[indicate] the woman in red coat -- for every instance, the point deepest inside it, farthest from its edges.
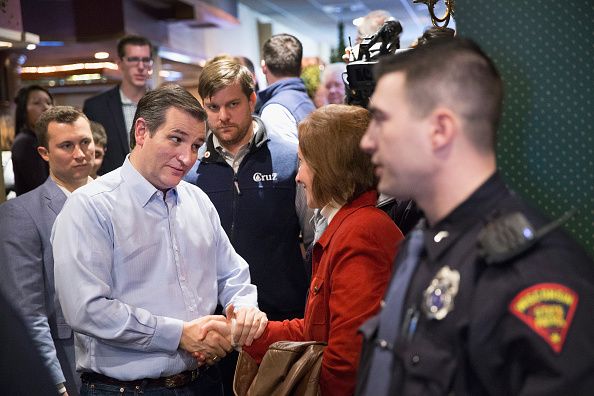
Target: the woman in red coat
(352, 261)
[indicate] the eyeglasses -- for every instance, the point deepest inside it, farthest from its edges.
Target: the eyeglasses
(136, 60)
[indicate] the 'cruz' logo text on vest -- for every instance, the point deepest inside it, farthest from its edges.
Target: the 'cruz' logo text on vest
(258, 177)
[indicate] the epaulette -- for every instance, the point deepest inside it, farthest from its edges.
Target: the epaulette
(510, 235)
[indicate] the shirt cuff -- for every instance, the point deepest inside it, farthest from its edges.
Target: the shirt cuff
(167, 334)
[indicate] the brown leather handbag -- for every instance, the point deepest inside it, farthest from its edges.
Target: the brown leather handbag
(288, 368)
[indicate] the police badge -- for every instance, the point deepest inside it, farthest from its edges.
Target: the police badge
(438, 298)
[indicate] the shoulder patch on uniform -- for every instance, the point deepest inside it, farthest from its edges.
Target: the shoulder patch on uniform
(548, 309)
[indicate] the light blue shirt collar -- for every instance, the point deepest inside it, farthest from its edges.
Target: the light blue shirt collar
(142, 190)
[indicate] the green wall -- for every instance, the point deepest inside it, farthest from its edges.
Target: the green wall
(545, 53)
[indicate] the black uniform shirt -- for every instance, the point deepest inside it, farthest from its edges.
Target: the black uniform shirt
(524, 326)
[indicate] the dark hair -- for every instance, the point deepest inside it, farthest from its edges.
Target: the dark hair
(435, 33)
(329, 142)
(282, 55)
(132, 40)
(99, 134)
(154, 105)
(222, 73)
(453, 72)
(245, 61)
(59, 114)
(21, 99)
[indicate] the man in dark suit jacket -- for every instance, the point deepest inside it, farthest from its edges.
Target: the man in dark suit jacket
(114, 109)
(26, 259)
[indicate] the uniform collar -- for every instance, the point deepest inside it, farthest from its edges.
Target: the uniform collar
(476, 208)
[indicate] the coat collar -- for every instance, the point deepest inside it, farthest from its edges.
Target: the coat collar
(211, 154)
(475, 209)
(115, 108)
(368, 198)
(290, 83)
(54, 196)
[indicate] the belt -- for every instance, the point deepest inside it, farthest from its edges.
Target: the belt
(173, 381)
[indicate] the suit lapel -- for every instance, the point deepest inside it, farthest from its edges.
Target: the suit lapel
(115, 108)
(54, 197)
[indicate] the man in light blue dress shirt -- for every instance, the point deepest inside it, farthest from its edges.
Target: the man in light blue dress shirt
(141, 261)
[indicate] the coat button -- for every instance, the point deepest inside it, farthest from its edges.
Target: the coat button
(415, 359)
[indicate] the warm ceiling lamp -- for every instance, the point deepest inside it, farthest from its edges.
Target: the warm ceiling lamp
(101, 55)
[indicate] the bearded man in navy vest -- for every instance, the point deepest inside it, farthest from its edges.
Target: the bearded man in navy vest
(249, 174)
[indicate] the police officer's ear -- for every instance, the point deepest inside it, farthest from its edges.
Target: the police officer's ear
(445, 127)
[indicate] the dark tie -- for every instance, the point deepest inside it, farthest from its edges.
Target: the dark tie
(380, 373)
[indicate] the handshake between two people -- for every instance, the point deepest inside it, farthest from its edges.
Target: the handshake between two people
(211, 337)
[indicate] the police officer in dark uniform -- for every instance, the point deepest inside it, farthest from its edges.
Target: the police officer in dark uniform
(488, 297)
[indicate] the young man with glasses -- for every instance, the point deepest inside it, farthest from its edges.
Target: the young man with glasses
(115, 109)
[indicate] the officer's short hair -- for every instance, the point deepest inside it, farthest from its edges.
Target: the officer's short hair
(153, 107)
(282, 54)
(59, 114)
(222, 73)
(329, 141)
(456, 73)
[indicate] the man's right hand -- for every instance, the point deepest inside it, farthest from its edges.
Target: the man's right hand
(208, 335)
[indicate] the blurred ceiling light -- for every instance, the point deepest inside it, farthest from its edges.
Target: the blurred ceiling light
(101, 55)
(85, 77)
(31, 47)
(51, 43)
(71, 67)
(179, 57)
(5, 44)
(170, 75)
(175, 56)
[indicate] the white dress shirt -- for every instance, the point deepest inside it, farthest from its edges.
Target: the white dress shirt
(132, 264)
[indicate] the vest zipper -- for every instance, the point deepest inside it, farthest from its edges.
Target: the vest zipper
(236, 182)
(234, 209)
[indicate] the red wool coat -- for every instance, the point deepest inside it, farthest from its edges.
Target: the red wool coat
(352, 264)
